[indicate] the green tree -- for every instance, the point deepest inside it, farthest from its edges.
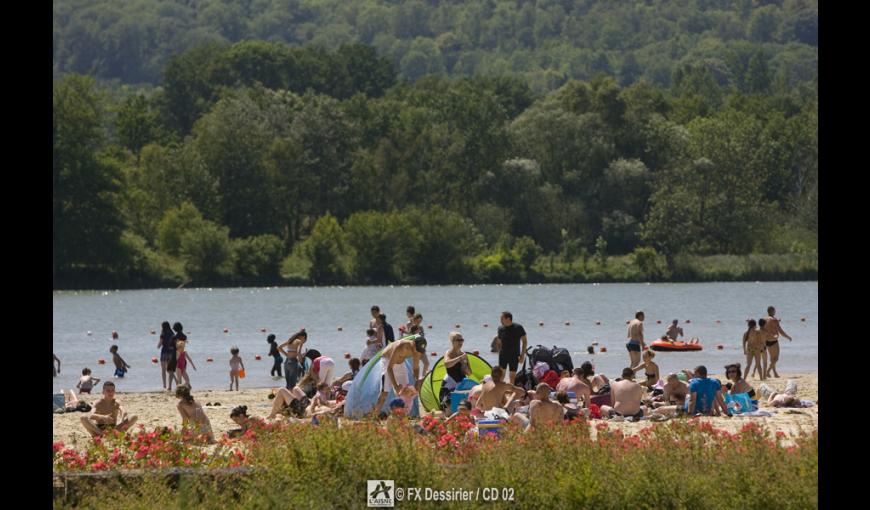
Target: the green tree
(176, 223)
(326, 249)
(207, 252)
(87, 220)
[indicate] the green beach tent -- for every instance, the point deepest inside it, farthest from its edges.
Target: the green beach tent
(431, 387)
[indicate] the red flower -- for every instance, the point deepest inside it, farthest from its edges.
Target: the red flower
(780, 434)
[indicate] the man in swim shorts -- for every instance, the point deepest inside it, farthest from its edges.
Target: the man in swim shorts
(772, 330)
(627, 396)
(510, 336)
(395, 373)
(106, 413)
(635, 339)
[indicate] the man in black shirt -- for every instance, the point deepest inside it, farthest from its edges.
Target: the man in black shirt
(510, 335)
(389, 334)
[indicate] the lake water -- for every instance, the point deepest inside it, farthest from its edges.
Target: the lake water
(205, 314)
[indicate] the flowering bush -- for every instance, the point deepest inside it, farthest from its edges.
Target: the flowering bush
(680, 464)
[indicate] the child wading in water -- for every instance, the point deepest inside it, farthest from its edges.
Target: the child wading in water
(183, 359)
(86, 382)
(235, 363)
(121, 366)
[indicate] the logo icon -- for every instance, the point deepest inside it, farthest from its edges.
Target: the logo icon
(380, 493)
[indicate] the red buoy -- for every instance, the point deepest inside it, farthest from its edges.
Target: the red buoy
(101, 361)
(114, 335)
(597, 323)
(688, 321)
(457, 326)
(540, 324)
(604, 349)
(153, 332)
(567, 323)
(340, 328)
(429, 326)
(434, 353)
(476, 353)
(720, 347)
(226, 330)
(209, 359)
(485, 325)
(803, 319)
(262, 330)
(153, 360)
(628, 322)
(658, 322)
(257, 357)
(718, 322)
(347, 355)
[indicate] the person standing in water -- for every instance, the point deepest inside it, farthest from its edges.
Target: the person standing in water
(167, 352)
(753, 347)
(772, 330)
(276, 356)
(635, 338)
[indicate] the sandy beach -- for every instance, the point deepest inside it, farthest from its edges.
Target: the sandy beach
(158, 409)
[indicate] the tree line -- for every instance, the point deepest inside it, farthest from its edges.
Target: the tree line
(257, 159)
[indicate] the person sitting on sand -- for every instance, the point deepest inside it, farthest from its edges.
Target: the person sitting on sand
(86, 382)
(392, 366)
(496, 392)
(626, 395)
(192, 414)
(675, 391)
(652, 370)
(576, 385)
(599, 384)
(456, 363)
(673, 331)
(753, 348)
(738, 384)
(704, 394)
(354, 365)
(106, 413)
(542, 410)
(571, 410)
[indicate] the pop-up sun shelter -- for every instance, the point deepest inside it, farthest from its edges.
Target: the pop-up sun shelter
(431, 388)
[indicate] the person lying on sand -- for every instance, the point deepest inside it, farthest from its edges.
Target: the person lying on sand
(240, 416)
(107, 410)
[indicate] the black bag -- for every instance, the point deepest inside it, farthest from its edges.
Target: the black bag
(561, 360)
(526, 378)
(540, 354)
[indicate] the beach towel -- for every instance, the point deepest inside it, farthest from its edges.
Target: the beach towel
(756, 414)
(739, 403)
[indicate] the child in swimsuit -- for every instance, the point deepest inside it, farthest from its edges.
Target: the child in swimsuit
(86, 382)
(121, 366)
(181, 363)
(235, 364)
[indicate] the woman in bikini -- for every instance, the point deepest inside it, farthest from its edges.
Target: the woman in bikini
(652, 370)
(738, 384)
(753, 347)
(293, 357)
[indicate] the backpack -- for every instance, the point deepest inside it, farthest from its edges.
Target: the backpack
(561, 359)
(539, 353)
(526, 378)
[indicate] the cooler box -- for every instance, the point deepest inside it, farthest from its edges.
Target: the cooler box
(572, 397)
(489, 427)
(456, 398)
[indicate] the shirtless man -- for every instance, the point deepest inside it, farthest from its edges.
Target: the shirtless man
(575, 383)
(626, 395)
(494, 392)
(772, 330)
(674, 331)
(542, 410)
(675, 391)
(106, 412)
(395, 374)
(635, 339)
